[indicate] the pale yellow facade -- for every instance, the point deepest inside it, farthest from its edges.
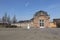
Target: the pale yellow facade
(52, 25)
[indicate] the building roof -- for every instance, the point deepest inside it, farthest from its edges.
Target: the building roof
(24, 21)
(57, 19)
(32, 19)
(41, 13)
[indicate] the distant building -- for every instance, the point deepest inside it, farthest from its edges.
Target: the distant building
(40, 20)
(57, 21)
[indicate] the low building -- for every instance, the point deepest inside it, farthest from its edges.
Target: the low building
(40, 19)
(57, 21)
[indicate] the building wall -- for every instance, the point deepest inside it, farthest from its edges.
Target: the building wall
(23, 25)
(52, 25)
(36, 21)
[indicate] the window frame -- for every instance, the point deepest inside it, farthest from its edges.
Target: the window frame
(41, 23)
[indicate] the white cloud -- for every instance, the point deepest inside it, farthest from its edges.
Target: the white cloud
(26, 4)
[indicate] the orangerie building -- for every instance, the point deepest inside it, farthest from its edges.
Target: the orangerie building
(40, 19)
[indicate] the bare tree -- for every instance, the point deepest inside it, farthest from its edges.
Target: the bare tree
(0, 19)
(14, 19)
(8, 20)
(4, 18)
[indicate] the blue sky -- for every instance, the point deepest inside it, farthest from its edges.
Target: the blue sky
(25, 9)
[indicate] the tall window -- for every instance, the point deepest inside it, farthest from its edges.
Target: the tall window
(41, 23)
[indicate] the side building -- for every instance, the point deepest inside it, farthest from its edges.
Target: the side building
(57, 21)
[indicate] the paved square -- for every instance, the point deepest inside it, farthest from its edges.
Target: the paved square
(31, 34)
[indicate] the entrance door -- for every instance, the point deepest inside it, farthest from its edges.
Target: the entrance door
(41, 23)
